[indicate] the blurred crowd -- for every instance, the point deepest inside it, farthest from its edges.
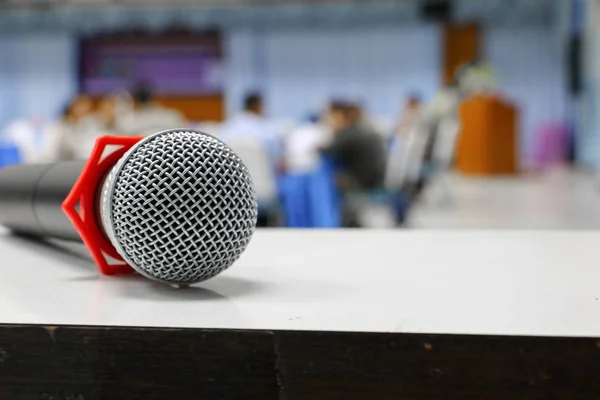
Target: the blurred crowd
(84, 119)
(342, 130)
(367, 158)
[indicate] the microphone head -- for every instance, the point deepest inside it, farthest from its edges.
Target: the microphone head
(179, 207)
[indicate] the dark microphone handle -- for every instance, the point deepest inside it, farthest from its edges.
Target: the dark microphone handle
(31, 197)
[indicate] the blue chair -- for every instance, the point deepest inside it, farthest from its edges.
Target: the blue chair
(323, 196)
(310, 200)
(400, 205)
(9, 155)
(293, 198)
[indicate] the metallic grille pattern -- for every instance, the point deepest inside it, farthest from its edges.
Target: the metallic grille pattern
(182, 205)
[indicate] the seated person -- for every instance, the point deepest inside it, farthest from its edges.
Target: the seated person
(303, 145)
(360, 155)
(251, 122)
(74, 135)
(251, 126)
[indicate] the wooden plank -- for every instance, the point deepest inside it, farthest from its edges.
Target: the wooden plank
(197, 108)
(61, 363)
(82, 363)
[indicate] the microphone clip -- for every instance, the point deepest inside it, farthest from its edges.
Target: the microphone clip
(80, 206)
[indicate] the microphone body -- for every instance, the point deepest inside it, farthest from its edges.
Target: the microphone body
(31, 197)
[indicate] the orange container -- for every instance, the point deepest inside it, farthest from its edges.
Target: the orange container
(488, 141)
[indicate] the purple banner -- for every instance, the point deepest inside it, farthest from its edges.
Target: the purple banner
(170, 68)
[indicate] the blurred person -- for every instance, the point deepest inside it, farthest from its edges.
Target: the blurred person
(360, 116)
(76, 132)
(251, 122)
(407, 121)
(148, 116)
(124, 102)
(409, 116)
(302, 146)
(106, 115)
(355, 113)
(124, 110)
(360, 155)
(80, 108)
(47, 141)
(431, 141)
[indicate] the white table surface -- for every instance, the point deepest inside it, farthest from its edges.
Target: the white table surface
(508, 283)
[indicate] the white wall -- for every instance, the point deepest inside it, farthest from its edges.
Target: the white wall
(379, 67)
(38, 74)
(7, 82)
(590, 101)
(243, 53)
(299, 70)
(530, 70)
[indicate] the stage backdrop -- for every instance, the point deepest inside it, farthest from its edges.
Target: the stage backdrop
(184, 70)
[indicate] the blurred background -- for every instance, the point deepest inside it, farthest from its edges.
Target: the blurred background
(384, 114)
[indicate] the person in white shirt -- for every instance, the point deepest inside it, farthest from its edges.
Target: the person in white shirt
(303, 145)
(252, 123)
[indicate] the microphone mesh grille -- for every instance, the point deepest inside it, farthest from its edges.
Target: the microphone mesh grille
(183, 207)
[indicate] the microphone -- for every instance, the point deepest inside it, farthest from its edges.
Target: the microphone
(178, 207)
